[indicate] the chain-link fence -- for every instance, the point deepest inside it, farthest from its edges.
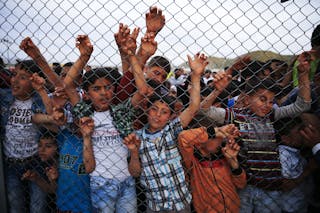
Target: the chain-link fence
(98, 115)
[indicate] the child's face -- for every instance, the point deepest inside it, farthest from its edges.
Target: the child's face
(20, 84)
(213, 145)
(261, 102)
(156, 73)
(100, 93)
(47, 149)
(158, 116)
(294, 139)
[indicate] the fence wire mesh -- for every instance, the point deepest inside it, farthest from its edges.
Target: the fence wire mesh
(160, 106)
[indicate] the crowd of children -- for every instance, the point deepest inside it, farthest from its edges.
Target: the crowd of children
(245, 139)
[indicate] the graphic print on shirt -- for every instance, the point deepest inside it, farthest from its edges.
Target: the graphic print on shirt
(21, 134)
(109, 151)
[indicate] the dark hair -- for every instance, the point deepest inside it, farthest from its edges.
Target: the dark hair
(315, 38)
(222, 98)
(255, 83)
(285, 125)
(68, 64)
(207, 71)
(169, 100)
(29, 66)
(47, 134)
(182, 90)
(90, 77)
(159, 61)
(254, 68)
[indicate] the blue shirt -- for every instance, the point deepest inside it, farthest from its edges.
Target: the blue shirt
(73, 192)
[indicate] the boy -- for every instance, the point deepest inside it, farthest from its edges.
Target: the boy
(261, 159)
(112, 186)
(20, 137)
(297, 186)
(75, 161)
(160, 167)
(214, 171)
(48, 154)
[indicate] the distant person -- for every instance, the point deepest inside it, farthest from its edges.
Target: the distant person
(5, 75)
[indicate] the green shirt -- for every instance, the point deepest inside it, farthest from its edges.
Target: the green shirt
(313, 68)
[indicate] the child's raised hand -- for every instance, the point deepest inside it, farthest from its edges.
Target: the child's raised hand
(30, 48)
(148, 44)
(132, 141)
(52, 173)
(58, 116)
(230, 131)
(84, 45)
(30, 175)
(60, 92)
(86, 126)
(37, 82)
(154, 20)
(311, 135)
(231, 150)
(198, 64)
(221, 80)
(304, 60)
(239, 64)
(121, 36)
(130, 45)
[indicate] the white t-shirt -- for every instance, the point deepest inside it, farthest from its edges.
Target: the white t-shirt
(109, 151)
(21, 134)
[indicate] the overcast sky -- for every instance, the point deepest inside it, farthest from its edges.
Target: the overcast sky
(222, 28)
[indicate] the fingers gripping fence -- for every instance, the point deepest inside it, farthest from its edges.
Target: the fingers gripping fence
(160, 106)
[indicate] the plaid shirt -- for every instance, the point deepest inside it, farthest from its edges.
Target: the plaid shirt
(162, 171)
(122, 115)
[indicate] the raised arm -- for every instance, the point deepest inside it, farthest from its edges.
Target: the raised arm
(303, 101)
(130, 49)
(133, 144)
(304, 60)
(239, 64)
(120, 38)
(33, 52)
(197, 65)
(85, 47)
(38, 84)
(222, 80)
(86, 128)
(155, 21)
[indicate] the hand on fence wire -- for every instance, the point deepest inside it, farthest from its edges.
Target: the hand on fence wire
(132, 142)
(60, 92)
(148, 45)
(37, 82)
(130, 44)
(84, 45)
(239, 64)
(30, 175)
(221, 80)
(304, 60)
(198, 64)
(86, 126)
(155, 20)
(227, 131)
(30, 48)
(58, 116)
(311, 135)
(52, 173)
(121, 36)
(231, 151)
